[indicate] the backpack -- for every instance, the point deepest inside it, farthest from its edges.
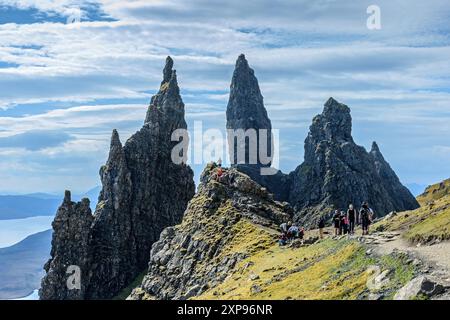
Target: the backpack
(322, 223)
(365, 214)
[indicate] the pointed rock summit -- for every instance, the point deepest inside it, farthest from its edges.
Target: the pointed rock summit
(72, 222)
(167, 71)
(337, 172)
(143, 192)
(198, 254)
(246, 111)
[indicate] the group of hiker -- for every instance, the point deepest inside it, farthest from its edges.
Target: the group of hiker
(289, 232)
(344, 222)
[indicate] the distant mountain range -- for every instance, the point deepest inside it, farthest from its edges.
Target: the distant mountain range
(21, 265)
(37, 204)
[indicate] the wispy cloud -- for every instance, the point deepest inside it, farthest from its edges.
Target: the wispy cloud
(86, 78)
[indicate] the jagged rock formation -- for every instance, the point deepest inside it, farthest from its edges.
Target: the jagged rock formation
(70, 246)
(143, 192)
(337, 172)
(199, 253)
(226, 248)
(246, 111)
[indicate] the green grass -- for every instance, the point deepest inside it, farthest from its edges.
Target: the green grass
(435, 226)
(427, 223)
(435, 192)
(329, 269)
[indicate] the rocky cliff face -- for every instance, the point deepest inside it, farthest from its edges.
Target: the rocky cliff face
(226, 248)
(70, 246)
(213, 237)
(246, 111)
(143, 192)
(337, 172)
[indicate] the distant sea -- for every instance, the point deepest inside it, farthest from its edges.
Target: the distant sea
(33, 296)
(13, 231)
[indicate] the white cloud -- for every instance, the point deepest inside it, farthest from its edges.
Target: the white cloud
(302, 52)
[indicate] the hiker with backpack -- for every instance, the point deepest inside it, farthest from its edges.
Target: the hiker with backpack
(219, 174)
(293, 232)
(284, 227)
(351, 217)
(301, 233)
(336, 222)
(321, 226)
(365, 218)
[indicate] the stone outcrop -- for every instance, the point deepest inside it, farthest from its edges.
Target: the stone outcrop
(199, 253)
(70, 246)
(419, 287)
(143, 192)
(337, 172)
(246, 111)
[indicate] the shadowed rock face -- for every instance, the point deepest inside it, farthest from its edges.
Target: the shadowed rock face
(70, 246)
(143, 192)
(245, 111)
(196, 255)
(337, 172)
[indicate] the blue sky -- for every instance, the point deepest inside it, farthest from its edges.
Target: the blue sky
(65, 86)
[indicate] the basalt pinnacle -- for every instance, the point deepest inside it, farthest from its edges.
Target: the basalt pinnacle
(337, 172)
(143, 192)
(197, 254)
(246, 111)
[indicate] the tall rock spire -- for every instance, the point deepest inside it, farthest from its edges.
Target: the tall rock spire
(143, 192)
(70, 247)
(245, 111)
(167, 71)
(337, 172)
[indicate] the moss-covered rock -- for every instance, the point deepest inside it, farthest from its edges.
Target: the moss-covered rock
(229, 219)
(226, 248)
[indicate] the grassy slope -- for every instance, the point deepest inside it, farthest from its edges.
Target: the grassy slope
(329, 269)
(429, 222)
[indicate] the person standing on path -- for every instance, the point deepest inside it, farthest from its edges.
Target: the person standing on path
(351, 216)
(321, 226)
(336, 222)
(365, 218)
